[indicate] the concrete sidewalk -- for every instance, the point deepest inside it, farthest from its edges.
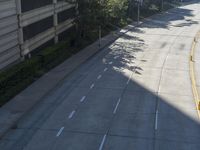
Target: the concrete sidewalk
(15, 109)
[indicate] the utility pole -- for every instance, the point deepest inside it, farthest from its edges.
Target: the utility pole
(139, 3)
(162, 4)
(99, 36)
(100, 2)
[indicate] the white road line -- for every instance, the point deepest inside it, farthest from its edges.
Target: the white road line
(71, 114)
(156, 121)
(92, 86)
(116, 57)
(115, 110)
(83, 98)
(105, 69)
(128, 80)
(110, 63)
(99, 77)
(102, 142)
(60, 131)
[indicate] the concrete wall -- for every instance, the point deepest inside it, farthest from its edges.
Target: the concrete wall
(9, 46)
(46, 17)
(26, 25)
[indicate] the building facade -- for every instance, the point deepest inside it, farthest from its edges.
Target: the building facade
(9, 39)
(26, 25)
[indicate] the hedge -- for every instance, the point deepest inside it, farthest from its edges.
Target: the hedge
(18, 77)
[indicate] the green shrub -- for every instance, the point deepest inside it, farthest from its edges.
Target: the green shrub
(18, 77)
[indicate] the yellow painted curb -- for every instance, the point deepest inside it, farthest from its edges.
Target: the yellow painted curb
(192, 74)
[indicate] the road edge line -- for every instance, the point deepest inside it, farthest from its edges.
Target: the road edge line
(192, 73)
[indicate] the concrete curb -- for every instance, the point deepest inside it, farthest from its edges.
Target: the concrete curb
(196, 66)
(21, 104)
(193, 73)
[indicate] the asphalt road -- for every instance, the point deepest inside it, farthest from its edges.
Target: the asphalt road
(134, 95)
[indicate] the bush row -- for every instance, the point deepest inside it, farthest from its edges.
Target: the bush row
(18, 77)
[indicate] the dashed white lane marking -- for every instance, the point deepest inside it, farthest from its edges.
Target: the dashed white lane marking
(60, 131)
(99, 77)
(92, 86)
(115, 110)
(156, 121)
(116, 57)
(128, 80)
(71, 114)
(105, 69)
(102, 142)
(110, 63)
(83, 98)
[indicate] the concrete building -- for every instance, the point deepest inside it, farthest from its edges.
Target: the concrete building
(26, 25)
(9, 39)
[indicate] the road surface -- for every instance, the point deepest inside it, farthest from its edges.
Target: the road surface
(134, 95)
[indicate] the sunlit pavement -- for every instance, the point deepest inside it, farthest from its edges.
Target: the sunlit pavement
(134, 95)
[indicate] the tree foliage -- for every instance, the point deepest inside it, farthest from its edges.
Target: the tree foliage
(94, 13)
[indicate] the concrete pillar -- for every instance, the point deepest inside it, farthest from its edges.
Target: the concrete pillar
(20, 30)
(55, 18)
(18, 4)
(76, 7)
